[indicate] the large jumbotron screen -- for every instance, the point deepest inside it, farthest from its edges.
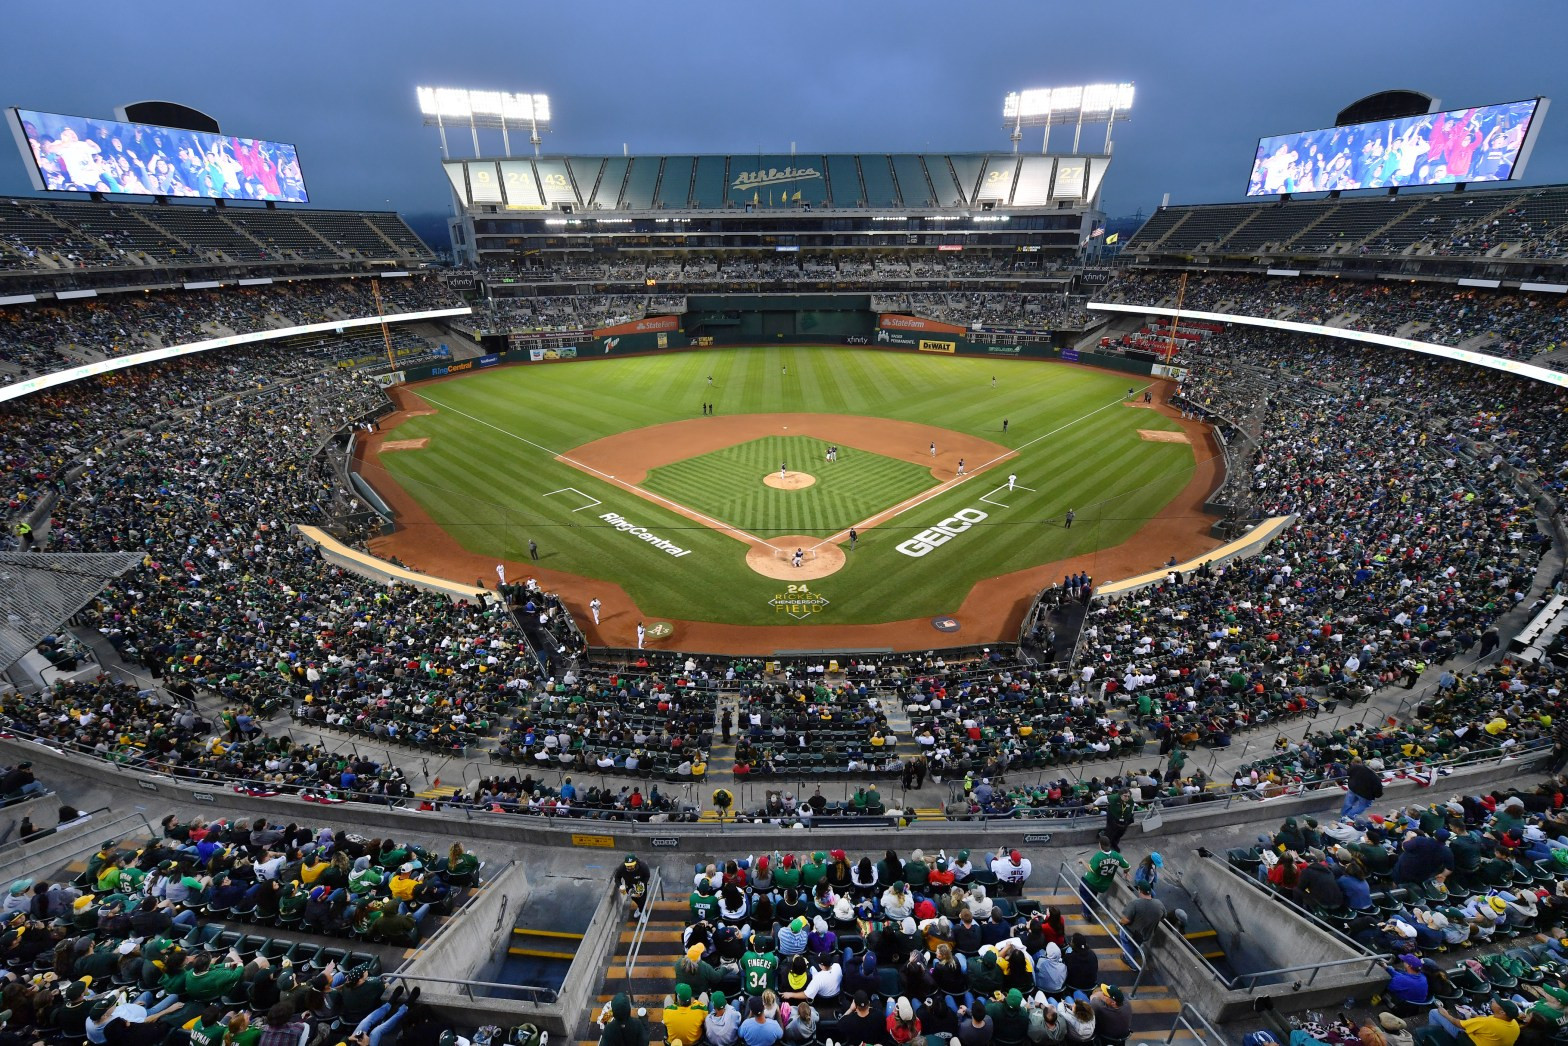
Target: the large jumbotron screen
(79, 154)
(1488, 143)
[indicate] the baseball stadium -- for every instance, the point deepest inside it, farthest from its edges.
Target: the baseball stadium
(821, 598)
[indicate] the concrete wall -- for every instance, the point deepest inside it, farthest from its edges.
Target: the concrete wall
(1268, 934)
(704, 841)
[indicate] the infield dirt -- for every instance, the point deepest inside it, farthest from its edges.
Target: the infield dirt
(990, 612)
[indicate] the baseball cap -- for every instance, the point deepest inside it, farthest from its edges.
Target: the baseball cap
(754, 1005)
(1156, 859)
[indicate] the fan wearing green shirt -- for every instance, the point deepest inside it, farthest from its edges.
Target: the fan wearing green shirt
(704, 904)
(758, 970)
(1102, 869)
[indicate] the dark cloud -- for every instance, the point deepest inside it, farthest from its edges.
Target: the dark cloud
(337, 77)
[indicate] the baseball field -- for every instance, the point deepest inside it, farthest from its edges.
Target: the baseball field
(634, 494)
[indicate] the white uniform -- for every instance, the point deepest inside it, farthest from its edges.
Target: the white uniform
(1011, 480)
(641, 632)
(594, 606)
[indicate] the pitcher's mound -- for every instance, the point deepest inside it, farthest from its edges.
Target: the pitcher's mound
(790, 481)
(1163, 436)
(818, 562)
(406, 444)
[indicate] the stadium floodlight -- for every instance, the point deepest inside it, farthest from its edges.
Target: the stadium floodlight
(490, 109)
(1055, 106)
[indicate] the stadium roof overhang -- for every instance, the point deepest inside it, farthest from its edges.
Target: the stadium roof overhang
(40, 591)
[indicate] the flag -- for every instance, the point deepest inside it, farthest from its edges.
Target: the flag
(796, 197)
(1100, 231)
(1112, 238)
(756, 197)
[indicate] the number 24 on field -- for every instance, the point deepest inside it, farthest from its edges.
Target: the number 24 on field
(796, 589)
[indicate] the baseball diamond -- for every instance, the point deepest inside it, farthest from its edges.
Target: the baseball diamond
(635, 442)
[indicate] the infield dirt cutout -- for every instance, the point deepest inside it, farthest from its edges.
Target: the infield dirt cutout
(406, 444)
(789, 480)
(1163, 436)
(769, 561)
(993, 607)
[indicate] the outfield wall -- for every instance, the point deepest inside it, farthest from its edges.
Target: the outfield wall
(972, 343)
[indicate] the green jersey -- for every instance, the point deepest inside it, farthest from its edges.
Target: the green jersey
(757, 971)
(1103, 868)
(704, 908)
(208, 1034)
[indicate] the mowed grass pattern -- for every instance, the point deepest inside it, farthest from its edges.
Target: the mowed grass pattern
(489, 471)
(728, 485)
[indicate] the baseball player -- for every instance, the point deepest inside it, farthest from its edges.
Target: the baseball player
(1011, 479)
(500, 573)
(960, 466)
(594, 605)
(641, 632)
(800, 557)
(933, 448)
(783, 470)
(853, 537)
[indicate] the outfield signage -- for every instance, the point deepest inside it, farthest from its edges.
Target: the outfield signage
(1004, 350)
(626, 526)
(893, 322)
(887, 337)
(651, 325)
(938, 346)
(941, 533)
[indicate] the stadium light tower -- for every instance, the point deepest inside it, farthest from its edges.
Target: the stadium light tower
(492, 109)
(1055, 106)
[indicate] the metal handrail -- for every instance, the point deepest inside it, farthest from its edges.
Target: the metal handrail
(655, 891)
(536, 993)
(77, 841)
(1091, 905)
(1316, 968)
(1182, 1021)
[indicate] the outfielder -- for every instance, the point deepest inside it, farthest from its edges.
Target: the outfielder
(594, 605)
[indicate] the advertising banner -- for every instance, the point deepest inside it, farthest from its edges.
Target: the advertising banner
(894, 322)
(386, 381)
(1094, 277)
(1070, 355)
(650, 325)
(887, 337)
(489, 361)
(1004, 350)
(937, 346)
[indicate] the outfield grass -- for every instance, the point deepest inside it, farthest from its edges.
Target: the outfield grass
(489, 471)
(727, 485)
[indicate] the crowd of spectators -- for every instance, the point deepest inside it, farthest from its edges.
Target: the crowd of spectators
(886, 951)
(134, 951)
(51, 335)
(1515, 324)
(990, 309)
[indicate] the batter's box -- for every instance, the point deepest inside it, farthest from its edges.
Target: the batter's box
(999, 504)
(592, 501)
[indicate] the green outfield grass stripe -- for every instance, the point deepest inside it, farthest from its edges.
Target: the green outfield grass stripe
(490, 465)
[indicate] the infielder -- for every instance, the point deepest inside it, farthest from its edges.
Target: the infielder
(1011, 480)
(594, 605)
(783, 470)
(933, 448)
(960, 466)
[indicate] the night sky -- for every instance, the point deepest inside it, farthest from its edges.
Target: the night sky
(337, 77)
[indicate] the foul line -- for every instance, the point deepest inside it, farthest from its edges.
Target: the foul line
(987, 496)
(689, 513)
(574, 490)
(942, 488)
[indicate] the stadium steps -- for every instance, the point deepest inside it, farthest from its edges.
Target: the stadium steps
(438, 792)
(651, 978)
